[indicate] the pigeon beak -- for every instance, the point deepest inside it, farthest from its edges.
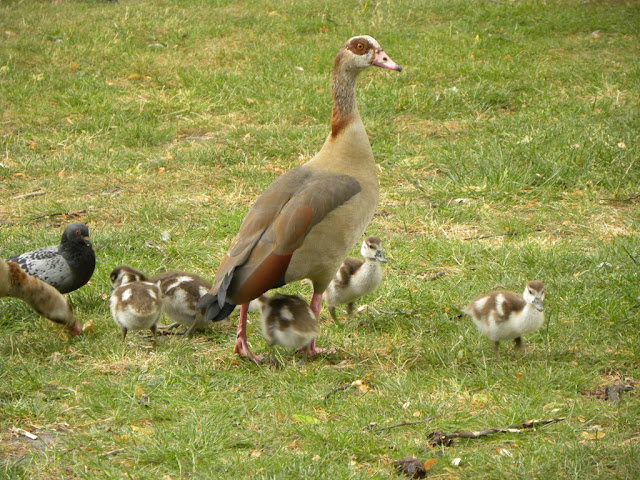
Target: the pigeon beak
(382, 60)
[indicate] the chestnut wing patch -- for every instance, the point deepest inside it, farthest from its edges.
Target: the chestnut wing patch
(275, 228)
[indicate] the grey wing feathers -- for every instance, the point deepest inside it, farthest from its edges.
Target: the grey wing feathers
(45, 264)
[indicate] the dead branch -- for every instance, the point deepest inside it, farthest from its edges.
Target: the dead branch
(622, 200)
(404, 424)
(446, 439)
(630, 256)
(27, 195)
(482, 237)
(338, 389)
(76, 214)
(112, 452)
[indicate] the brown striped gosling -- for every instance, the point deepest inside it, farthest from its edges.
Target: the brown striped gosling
(506, 315)
(356, 277)
(180, 294)
(287, 320)
(134, 304)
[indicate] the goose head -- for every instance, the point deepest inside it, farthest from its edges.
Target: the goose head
(534, 294)
(362, 52)
(371, 249)
(125, 275)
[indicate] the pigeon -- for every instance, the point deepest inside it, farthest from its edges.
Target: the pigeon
(67, 266)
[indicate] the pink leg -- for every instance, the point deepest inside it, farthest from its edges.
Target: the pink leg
(316, 307)
(242, 347)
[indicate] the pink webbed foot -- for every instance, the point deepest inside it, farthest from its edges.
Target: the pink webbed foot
(242, 347)
(243, 350)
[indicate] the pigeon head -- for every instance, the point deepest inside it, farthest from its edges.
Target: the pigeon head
(76, 233)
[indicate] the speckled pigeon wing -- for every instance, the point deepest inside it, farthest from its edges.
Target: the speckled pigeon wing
(45, 264)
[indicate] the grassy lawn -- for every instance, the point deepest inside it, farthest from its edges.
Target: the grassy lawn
(508, 150)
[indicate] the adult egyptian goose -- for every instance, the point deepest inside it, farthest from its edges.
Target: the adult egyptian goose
(42, 297)
(356, 277)
(134, 304)
(306, 222)
(67, 266)
(287, 320)
(506, 315)
(180, 294)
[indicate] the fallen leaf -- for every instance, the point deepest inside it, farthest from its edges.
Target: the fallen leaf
(597, 435)
(305, 418)
(138, 391)
(88, 327)
(141, 430)
(256, 453)
(504, 452)
(428, 465)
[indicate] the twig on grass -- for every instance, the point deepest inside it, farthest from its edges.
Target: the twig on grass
(404, 424)
(112, 452)
(76, 214)
(338, 389)
(622, 200)
(27, 195)
(360, 384)
(630, 256)
(446, 439)
(482, 237)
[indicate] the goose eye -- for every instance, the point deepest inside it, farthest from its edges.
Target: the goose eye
(360, 46)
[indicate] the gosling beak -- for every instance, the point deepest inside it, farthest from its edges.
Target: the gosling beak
(537, 303)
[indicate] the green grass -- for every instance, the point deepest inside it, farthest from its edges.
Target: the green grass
(516, 121)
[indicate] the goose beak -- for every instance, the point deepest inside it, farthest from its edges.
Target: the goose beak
(380, 257)
(537, 303)
(382, 60)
